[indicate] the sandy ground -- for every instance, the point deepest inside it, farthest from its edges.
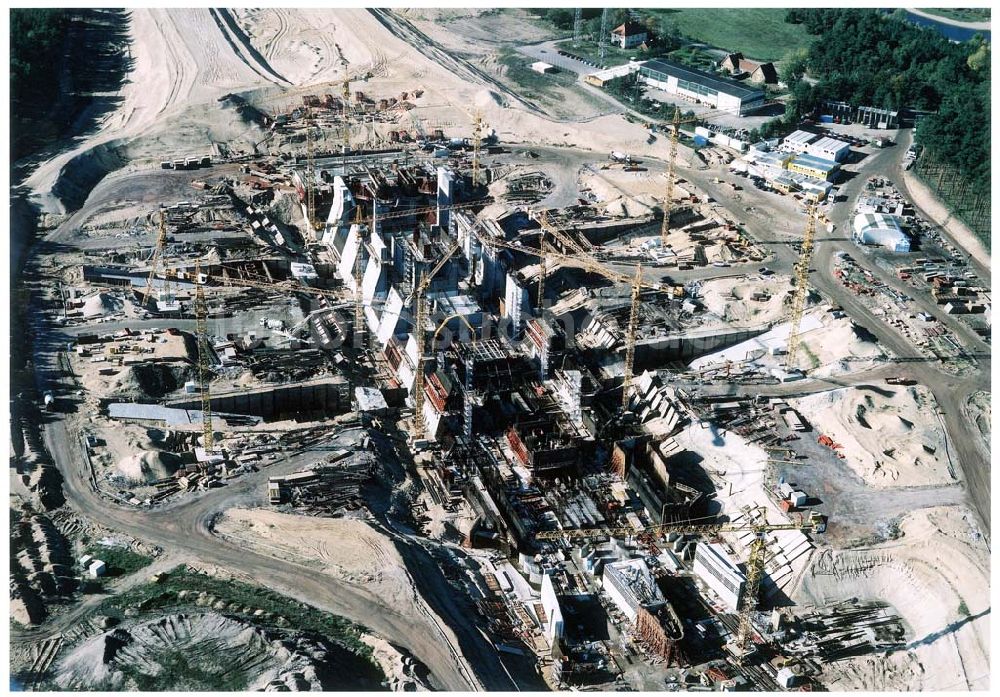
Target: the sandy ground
(731, 299)
(185, 59)
(829, 346)
(904, 443)
(945, 606)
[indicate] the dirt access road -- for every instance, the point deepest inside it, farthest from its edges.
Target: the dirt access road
(473, 665)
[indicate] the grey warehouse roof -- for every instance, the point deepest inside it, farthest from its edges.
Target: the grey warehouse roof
(720, 84)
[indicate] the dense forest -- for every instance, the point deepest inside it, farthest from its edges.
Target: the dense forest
(874, 58)
(36, 42)
(65, 68)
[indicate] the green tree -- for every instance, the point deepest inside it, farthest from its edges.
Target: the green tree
(793, 66)
(980, 58)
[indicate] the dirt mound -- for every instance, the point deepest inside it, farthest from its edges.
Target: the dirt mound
(151, 380)
(488, 98)
(208, 652)
(149, 466)
(101, 304)
(889, 437)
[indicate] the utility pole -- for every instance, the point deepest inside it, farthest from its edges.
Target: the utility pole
(577, 27)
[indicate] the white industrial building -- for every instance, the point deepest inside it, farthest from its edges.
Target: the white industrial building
(631, 585)
(701, 87)
(714, 567)
(829, 149)
(797, 141)
(882, 230)
(543, 67)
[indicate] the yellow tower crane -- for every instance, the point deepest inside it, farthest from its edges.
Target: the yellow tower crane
(801, 286)
(359, 308)
(675, 130)
(157, 260)
(204, 377)
(345, 96)
(758, 525)
(577, 256)
(668, 197)
(420, 320)
(311, 180)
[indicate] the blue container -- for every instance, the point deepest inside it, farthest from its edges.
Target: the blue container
(700, 141)
(826, 118)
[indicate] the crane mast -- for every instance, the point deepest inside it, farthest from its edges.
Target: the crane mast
(671, 163)
(602, 41)
(420, 315)
(346, 99)
(477, 140)
(801, 286)
(630, 336)
(157, 260)
(204, 378)
(310, 181)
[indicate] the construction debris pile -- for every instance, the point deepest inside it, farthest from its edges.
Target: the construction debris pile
(845, 629)
(330, 490)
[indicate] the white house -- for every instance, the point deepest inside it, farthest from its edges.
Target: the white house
(629, 35)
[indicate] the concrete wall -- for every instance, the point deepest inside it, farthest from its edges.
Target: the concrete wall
(687, 347)
(550, 603)
(309, 400)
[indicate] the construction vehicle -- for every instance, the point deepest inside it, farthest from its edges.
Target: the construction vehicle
(741, 646)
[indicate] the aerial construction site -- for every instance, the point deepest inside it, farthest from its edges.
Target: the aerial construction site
(396, 349)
